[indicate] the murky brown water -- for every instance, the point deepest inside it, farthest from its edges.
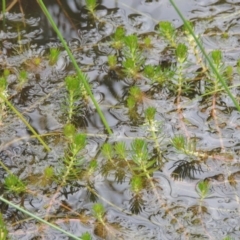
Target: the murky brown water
(172, 210)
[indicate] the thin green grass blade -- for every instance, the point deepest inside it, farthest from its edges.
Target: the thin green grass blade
(79, 72)
(3, 6)
(206, 56)
(25, 122)
(38, 218)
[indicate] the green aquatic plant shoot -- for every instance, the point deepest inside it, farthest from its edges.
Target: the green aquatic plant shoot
(167, 31)
(118, 38)
(54, 55)
(13, 184)
(112, 61)
(72, 161)
(75, 92)
(91, 6)
(3, 228)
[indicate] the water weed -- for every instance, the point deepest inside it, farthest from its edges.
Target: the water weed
(173, 156)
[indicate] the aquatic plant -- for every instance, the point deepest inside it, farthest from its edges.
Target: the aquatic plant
(3, 228)
(91, 6)
(72, 162)
(53, 55)
(118, 38)
(23, 79)
(75, 93)
(168, 31)
(14, 184)
(138, 159)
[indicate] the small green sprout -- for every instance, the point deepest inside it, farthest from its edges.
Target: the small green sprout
(203, 187)
(131, 69)
(147, 42)
(23, 78)
(3, 84)
(140, 153)
(91, 6)
(86, 236)
(79, 142)
(53, 56)
(181, 52)
(69, 130)
(136, 93)
(98, 211)
(167, 30)
(121, 149)
(131, 103)
(112, 61)
(14, 184)
(216, 57)
(136, 184)
(150, 114)
(107, 151)
(3, 228)
(48, 172)
(118, 38)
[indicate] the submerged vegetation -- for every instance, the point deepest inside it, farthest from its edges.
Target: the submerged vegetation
(73, 169)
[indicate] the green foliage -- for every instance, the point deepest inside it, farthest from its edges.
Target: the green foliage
(216, 56)
(69, 131)
(137, 184)
(91, 5)
(147, 42)
(72, 160)
(167, 31)
(98, 211)
(53, 56)
(214, 83)
(150, 113)
(186, 146)
(49, 172)
(118, 38)
(86, 236)
(3, 84)
(203, 187)
(156, 74)
(112, 61)
(75, 92)
(14, 184)
(3, 229)
(140, 154)
(228, 238)
(107, 151)
(181, 52)
(121, 150)
(133, 57)
(23, 78)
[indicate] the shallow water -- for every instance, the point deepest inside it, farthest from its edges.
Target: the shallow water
(172, 209)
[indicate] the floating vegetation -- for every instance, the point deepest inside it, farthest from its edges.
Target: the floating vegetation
(116, 130)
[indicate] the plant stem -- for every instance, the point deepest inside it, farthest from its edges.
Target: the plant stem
(79, 72)
(206, 56)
